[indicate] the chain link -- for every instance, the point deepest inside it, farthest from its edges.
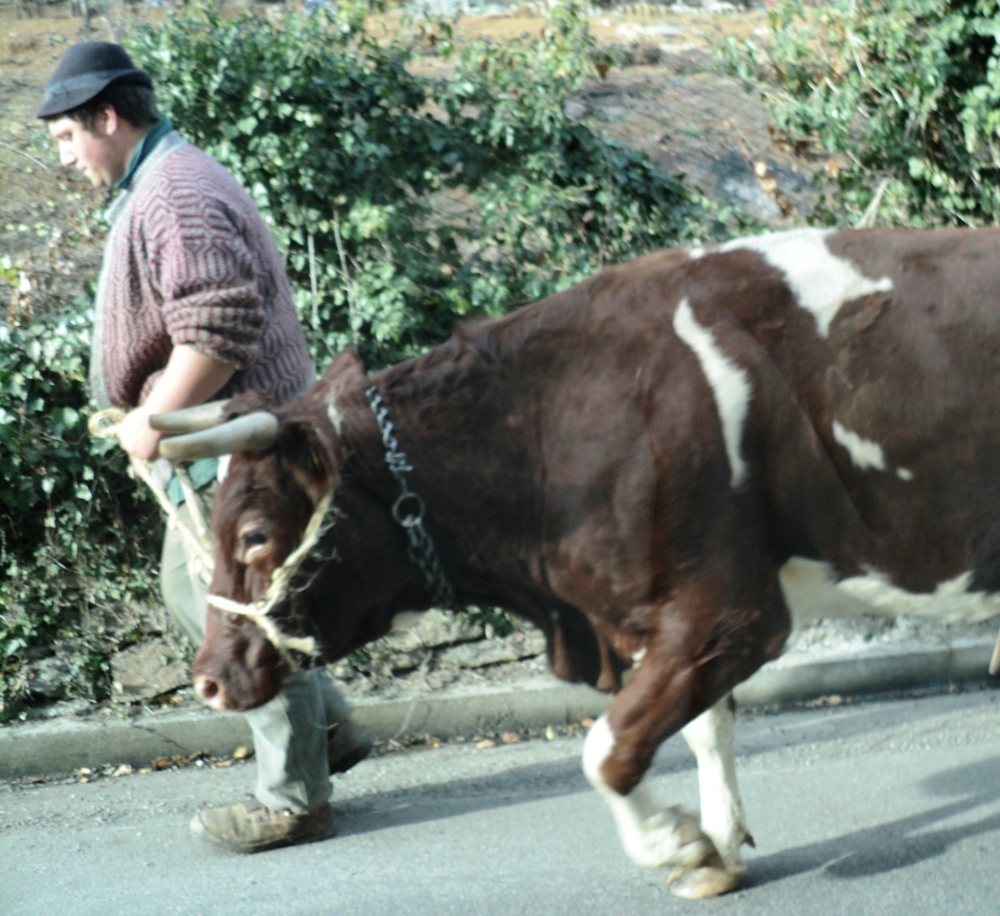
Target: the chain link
(408, 511)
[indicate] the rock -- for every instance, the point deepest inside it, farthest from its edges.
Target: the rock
(60, 709)
(431, 630)
(413, 641)
(48, 678)
(146, 670)
(391, 662)
(342, 670)
(494, 651)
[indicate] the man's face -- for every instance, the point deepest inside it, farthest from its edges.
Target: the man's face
(94, 152)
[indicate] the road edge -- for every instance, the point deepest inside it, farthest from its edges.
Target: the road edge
(63, 745)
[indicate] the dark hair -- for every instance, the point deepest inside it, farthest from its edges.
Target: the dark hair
(132, 103)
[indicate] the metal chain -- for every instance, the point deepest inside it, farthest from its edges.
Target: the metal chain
(408, 511)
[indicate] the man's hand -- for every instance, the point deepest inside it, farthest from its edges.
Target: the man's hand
(189, 378)
(136, 436)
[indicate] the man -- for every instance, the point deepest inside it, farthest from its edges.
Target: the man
(193, 302)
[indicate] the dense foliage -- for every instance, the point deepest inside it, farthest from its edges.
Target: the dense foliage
(406, 201)
(71, 566)
(906, 90)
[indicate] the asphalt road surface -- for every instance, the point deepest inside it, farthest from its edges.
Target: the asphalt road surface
(864, 809)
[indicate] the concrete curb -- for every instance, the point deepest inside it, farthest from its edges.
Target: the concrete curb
(59, 746)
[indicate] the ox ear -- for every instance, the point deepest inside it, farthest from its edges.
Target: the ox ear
(311, 455)
(345, 370)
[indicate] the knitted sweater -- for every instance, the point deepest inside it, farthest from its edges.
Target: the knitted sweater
(189, 260)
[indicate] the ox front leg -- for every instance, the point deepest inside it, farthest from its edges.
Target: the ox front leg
(710, 737)
(653, 834)
(661, 698)
(617, 756)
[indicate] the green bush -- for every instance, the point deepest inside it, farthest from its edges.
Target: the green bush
(73, 563)
(425, 199)
(906, 90)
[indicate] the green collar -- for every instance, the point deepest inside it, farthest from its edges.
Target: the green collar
(148, 143)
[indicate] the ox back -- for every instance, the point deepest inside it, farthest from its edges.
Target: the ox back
(646, 465)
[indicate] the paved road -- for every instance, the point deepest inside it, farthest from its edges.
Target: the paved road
(879, 808)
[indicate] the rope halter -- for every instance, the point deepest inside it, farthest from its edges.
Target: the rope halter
(281, 586)
(407, 511)
(200, 545)
(199, 541)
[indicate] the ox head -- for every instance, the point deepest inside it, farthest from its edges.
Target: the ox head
(286, 462)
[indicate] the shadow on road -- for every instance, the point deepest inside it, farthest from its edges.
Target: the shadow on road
(899, 844)
(867, 852)
(436, 801)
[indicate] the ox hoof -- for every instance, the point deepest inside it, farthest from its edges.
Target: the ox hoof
(694, 853)
(673, 838)
(709, 880)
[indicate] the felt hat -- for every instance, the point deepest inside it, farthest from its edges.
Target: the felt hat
(84, 70)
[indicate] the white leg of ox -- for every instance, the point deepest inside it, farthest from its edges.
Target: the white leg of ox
(706, 858)
(652, 834)
(710, 737)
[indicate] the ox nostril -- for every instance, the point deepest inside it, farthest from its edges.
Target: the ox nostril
(208, 689)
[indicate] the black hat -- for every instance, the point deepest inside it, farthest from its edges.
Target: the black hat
(85, 69)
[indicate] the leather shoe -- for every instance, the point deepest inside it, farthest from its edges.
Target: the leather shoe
(250, 827)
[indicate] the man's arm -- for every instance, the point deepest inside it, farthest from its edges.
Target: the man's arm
(189, 378)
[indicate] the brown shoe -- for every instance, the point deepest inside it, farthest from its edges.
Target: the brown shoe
(347, 745)
(250, 827)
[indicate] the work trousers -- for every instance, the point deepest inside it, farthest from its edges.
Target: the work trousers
(290, 732)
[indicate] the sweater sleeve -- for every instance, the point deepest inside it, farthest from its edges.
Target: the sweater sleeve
(206, 279)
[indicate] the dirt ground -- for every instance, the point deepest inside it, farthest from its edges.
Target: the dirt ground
(46, 213)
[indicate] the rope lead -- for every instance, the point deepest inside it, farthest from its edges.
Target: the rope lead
(201, 546)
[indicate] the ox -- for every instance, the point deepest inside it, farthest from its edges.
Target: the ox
(650, 466)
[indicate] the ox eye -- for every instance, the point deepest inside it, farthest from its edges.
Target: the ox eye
(253, 539)
(254, 545)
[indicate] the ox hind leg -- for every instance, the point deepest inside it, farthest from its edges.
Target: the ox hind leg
(710, 737)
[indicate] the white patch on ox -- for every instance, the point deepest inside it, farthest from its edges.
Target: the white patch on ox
(335, 419)
(820, 281)
(812, 594)
(223, 469)
(730, 385)
(651, 834)
(710, 738)
(864, 453)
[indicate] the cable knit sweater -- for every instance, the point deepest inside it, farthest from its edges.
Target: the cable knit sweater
(189, 260)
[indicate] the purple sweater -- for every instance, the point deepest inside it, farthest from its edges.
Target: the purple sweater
(189, 260)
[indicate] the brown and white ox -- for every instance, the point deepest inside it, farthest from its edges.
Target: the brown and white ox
(645, 466)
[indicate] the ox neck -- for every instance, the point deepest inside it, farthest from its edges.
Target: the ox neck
(408, 510)
(469, 456)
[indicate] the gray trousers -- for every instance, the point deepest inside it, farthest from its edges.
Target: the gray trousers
(289, 732)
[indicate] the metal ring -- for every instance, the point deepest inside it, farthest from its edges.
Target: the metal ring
(415, 518)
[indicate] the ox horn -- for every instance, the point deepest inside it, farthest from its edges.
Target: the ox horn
(190, 419)
(255, 431)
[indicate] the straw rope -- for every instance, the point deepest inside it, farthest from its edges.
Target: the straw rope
(104, 424)
(200, 543)
(281, 584)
